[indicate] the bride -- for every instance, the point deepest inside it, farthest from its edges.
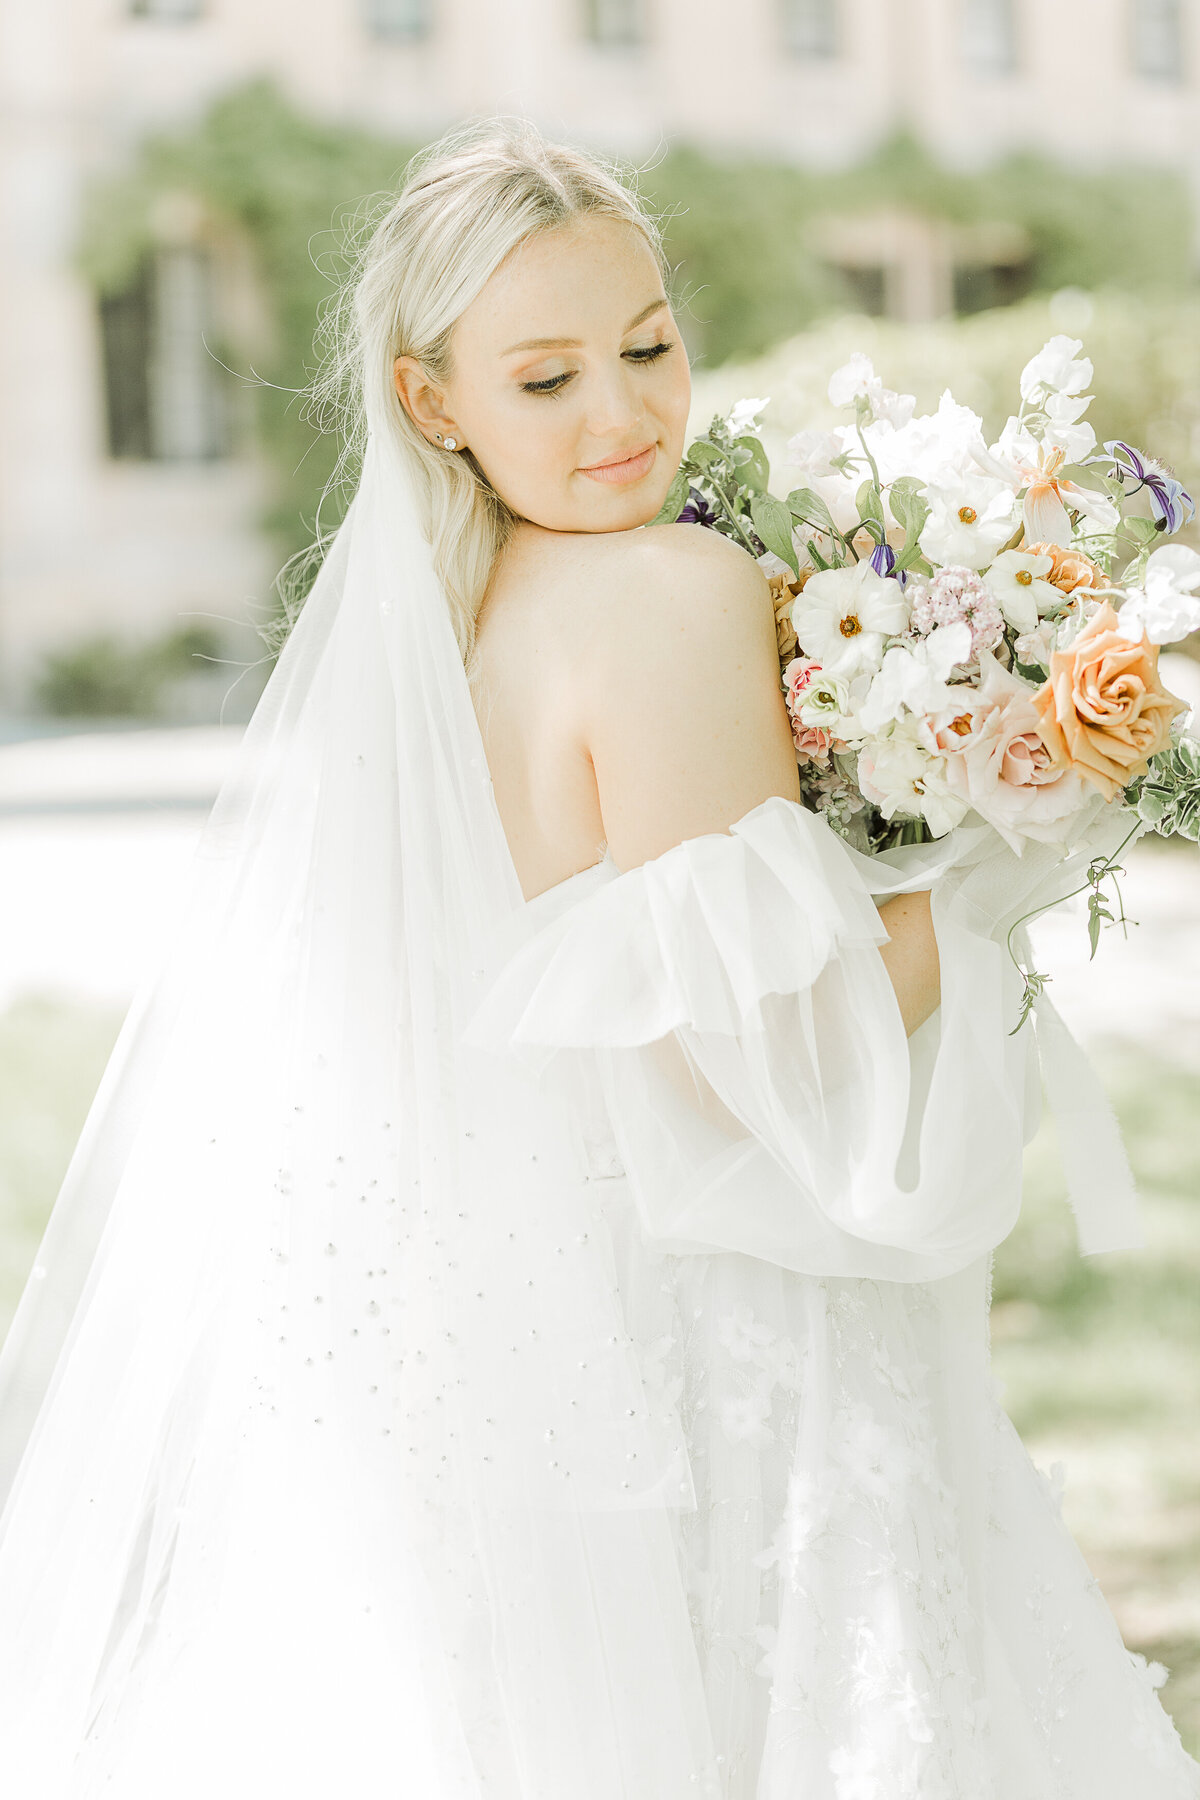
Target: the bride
(515, 1324)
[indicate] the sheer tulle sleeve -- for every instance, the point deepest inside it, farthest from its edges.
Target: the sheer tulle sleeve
(728, 1002)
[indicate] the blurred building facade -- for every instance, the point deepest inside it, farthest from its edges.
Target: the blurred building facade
(126, 502)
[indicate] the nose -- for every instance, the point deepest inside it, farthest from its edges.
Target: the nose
(614, 405)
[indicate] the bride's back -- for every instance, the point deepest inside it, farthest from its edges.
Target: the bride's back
(529, 662)
(626, 688)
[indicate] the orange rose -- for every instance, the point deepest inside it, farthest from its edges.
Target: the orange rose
(1103, 711)
(1069, 569)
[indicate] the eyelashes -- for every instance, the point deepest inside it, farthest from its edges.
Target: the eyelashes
(556, 383)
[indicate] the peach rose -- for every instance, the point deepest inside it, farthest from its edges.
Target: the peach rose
(1103, 710)
(1069, 569)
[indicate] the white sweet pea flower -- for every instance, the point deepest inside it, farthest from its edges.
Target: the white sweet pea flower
(857, 380)
(900, 775)
(841, 617)
(812, 453)
(914, 678)
(969, 519)
(1057, 368)
(741, 416)
(1017, 580)
(1166, 607)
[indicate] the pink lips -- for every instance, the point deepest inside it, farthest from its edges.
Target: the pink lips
(631, 469)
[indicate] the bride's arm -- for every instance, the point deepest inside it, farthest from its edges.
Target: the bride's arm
(684, 718)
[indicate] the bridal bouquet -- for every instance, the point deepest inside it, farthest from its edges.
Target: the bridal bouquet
(966, 626)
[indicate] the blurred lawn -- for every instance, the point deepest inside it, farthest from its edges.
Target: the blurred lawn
(1098, 1359)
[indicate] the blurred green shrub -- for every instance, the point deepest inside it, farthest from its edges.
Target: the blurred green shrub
(105, 676)
(1145, 351)
(738, 229)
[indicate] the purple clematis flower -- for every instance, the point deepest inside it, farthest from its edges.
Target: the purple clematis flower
(696, 510)
(1170, 501)
(883, 561)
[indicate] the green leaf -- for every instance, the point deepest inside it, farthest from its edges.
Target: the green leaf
(773, 523)
(755, 472)
(907, 499)
(703, 454)
(868, 502)
(810, 507)
(675, 501)
(1141, 529)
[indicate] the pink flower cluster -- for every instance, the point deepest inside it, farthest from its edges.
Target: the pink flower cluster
(955, 594)
(811, 741)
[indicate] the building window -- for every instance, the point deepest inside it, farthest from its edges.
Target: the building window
(989, 36)
(614, 21)
(400, 21)
(175, 10)
(165, 399)
(1158, 39)
(810, 27)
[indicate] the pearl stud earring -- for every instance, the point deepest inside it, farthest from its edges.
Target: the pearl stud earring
(451, 443)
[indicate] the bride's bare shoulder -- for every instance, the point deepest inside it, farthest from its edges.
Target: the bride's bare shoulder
(649, 581)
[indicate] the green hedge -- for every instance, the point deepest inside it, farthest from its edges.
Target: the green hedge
(738, 233)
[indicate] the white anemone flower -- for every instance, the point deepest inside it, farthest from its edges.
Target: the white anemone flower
(1057, 368)
(741, 417)
(1166, 607)
(970, 517)
(842, 617)
(1017, 580)
(857, 380)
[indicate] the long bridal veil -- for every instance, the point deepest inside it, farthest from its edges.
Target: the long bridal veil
(321, 1371)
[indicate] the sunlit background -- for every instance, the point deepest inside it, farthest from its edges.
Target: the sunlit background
(942, 183)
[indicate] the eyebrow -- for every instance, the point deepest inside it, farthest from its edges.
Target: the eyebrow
(576, 343)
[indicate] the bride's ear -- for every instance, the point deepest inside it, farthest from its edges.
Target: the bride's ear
(423, 403)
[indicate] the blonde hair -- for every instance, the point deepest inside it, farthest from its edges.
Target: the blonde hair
(466, 201)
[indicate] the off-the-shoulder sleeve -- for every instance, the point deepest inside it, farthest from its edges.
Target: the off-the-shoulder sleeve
(760, 1086)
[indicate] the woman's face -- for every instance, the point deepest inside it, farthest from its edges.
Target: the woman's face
(613, 384)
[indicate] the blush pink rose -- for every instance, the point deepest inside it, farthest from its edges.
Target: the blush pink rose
(1001, 766)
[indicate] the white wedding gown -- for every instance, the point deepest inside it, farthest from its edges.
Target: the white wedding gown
(489, 1350)
(885, 1602)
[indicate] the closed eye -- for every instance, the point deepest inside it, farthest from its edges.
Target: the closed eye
(556, 383)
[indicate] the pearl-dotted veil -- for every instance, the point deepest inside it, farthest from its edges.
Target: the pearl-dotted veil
(320, 1375)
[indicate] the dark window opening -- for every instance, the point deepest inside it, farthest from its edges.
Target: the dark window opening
(614, 22)
(989, 36)
(978, 288)
(1158, 39)
(866, 288)
(810, 27)
(164, 393)
(176, 11)
(399, 21)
